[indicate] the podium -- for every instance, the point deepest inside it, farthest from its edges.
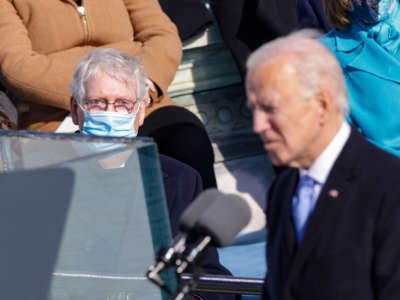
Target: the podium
(111, 215)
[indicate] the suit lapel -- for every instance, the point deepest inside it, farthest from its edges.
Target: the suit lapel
(290, 242)
(330, 202)
(287, 237)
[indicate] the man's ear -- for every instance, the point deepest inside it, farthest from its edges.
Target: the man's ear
(74, 111)
(141, 113)
(325, 102)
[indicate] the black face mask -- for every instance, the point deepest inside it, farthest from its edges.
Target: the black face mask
(372, 11)
(370, 4)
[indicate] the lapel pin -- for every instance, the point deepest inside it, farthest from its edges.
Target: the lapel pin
(334, 193)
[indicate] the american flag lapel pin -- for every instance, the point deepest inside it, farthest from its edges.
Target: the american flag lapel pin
(334, 193)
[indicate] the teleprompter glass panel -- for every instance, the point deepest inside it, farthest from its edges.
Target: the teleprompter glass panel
(117, 215)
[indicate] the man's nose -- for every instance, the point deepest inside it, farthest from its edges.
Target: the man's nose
(111, 107)
(260, 122)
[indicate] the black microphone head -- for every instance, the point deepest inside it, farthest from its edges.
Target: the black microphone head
(224, 219)
(196, 208)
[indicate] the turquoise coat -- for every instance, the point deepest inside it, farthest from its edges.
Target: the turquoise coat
(370, 58)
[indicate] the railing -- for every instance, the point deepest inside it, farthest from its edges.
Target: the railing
(227, 284)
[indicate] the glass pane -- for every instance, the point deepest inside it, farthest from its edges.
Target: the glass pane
(117, 216)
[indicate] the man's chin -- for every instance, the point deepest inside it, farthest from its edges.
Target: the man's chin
(275, 159)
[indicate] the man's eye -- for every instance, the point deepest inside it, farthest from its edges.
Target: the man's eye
(97, 101)
(269, 109)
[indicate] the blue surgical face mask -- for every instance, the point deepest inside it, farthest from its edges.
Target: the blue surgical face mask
(107, 123)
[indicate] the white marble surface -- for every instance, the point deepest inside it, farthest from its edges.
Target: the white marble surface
(250, 178)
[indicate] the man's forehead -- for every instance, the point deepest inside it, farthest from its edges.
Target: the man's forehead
(101, 75)
(274, 78)
(281, 68)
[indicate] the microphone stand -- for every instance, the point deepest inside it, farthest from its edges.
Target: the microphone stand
(193, 254)
(153, 274)
(180, 262)
(185, 286)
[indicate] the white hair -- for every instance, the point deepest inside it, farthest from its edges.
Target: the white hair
(119, 65)
(315, 66)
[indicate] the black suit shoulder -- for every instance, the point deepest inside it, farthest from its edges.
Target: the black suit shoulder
(385, 164)
(373, 167)
(176, 170)
(182, 184)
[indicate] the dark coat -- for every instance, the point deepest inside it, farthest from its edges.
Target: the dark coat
(351, 246)
(182, 184)
(247, 24)
(190, 16)
(310, 14)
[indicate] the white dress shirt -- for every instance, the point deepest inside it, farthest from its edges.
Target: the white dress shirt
(322, 166)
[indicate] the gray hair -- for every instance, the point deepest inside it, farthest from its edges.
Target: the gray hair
(119, 65)
(314, 64)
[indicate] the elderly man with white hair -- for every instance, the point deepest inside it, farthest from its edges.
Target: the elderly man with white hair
(109, 94)
(334, 214)
(109, 98)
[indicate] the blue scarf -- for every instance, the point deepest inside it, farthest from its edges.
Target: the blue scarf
(381, 26)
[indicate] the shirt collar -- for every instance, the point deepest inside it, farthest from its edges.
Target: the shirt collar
(321, 167)
(348, 40)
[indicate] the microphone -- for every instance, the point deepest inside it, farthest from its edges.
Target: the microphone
(213, 218)
(178, 245)
(218, 225)
(196, 209)
(224, 219)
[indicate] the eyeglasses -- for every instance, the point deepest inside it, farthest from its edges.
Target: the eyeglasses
(120, 105)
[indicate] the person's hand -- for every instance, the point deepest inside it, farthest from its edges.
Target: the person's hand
(149, 86)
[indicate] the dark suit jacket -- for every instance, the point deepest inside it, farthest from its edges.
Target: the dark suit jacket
(351, 246)
(310, 14)
(182, 184)
(190, 16)
(247, 24)
(244, 24)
